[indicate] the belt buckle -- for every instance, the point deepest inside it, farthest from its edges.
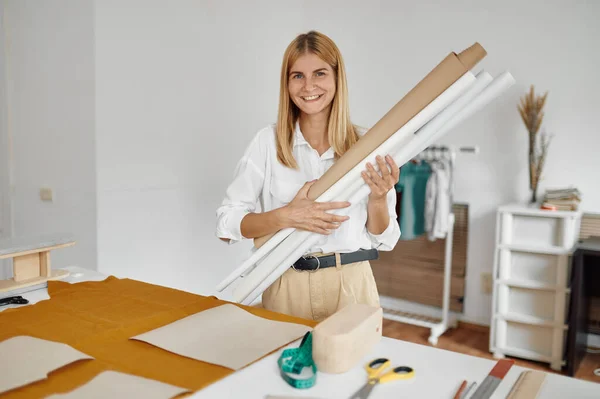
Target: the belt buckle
(305, 258)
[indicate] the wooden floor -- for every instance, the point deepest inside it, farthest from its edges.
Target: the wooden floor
(474, 340)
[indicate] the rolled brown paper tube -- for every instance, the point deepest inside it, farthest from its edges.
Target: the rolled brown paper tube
(428, 89)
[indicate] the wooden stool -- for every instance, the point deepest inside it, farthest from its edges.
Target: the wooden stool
(31, 261)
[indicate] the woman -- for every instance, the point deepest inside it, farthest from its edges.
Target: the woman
(283, 160)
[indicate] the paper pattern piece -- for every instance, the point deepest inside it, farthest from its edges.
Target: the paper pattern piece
(26, 359)
(528, 385)
(116, 385)
(225, 335)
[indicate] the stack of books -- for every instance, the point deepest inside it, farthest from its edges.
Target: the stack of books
(564, 199)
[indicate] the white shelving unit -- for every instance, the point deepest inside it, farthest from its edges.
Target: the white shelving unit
(531, 275)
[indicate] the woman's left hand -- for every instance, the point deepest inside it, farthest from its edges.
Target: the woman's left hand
(383, 181)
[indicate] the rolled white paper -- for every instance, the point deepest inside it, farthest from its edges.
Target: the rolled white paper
(404, 134)
(298, 242)
(351, 181)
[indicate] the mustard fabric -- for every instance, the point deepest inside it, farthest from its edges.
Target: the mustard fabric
(99, 317)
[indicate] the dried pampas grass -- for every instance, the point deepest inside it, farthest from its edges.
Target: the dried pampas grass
(531, 110)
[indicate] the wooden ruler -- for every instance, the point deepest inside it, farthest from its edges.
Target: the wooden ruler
(528, 385)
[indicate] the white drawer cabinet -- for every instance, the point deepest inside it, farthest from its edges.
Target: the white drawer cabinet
(531, 283)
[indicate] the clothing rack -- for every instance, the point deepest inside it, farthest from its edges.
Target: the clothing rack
(451, 150)
(437, 326)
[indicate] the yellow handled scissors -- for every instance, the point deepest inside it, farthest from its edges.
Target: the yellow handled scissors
(379, 373)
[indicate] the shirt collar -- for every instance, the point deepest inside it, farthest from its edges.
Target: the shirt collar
(300, 140)
(298, 136)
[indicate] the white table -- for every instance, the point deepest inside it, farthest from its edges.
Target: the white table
(438, 372)
(438, 375)
(77, 274)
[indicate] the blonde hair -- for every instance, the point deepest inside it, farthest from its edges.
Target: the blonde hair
(342, 134)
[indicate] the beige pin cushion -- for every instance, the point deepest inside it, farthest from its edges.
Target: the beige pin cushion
(345, 337)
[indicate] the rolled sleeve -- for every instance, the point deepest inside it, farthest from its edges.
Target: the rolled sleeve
(242, 194)
(230, 222)
(387, 240)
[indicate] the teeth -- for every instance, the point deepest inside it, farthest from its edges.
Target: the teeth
(312, 97)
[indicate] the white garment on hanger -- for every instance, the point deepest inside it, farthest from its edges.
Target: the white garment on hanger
(438, 200)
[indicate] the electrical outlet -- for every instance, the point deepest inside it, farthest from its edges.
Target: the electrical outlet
(46, 194)
(486, 283)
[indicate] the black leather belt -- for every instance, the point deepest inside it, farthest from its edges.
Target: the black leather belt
(313, 263)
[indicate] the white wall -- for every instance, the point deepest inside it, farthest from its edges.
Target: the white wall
(181, 87)
(174, 112)
(50, 82)
(5, 202)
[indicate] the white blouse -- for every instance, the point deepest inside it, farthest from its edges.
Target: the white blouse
(261, 184)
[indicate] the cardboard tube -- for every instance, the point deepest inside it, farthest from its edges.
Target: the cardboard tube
(430, 87)
(278, 262)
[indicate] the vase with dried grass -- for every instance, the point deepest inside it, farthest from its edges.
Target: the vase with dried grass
(532, 114)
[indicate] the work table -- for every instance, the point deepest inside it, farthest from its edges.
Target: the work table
(438, 373)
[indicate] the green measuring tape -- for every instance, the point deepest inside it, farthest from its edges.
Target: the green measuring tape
(295, 360)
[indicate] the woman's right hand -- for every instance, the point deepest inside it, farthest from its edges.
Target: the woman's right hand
(305, 214)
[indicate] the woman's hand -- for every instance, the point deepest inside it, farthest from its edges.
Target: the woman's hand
(382, 182)
(378, 218)
(305, 214)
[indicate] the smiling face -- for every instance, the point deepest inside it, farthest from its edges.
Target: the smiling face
(311, 83)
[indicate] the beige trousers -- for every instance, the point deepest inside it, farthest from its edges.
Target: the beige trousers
(317, 295)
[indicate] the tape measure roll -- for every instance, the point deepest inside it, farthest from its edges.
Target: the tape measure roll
(294, 361)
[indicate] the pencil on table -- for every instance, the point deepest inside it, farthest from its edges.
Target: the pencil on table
(460, 389)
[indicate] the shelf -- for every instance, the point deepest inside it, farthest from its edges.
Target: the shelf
(531, 320)
(534, 285)
(521, 210)
(524, 353)
(531, 282)
(549, 250)
(411, 318)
